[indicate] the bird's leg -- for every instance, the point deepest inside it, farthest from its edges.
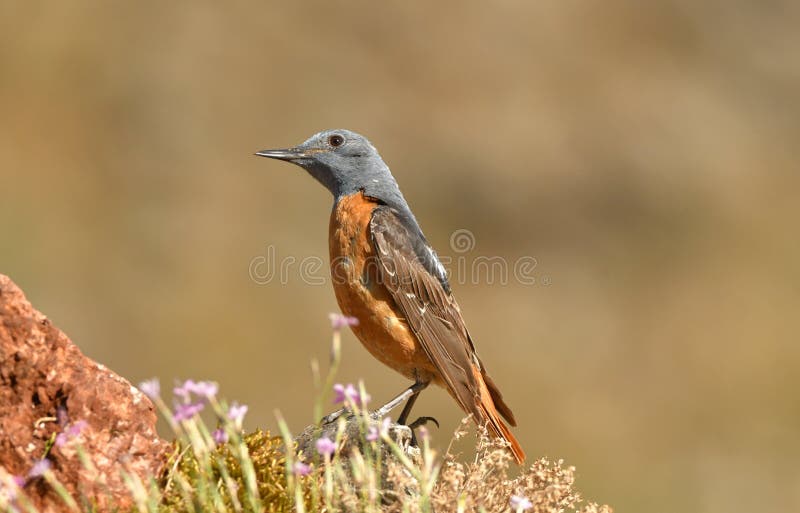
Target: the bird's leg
(410, 393)
(403, 418)
(417, 387)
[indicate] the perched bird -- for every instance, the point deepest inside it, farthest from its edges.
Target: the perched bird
(386, 275)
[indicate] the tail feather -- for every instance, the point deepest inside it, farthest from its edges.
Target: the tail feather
(490, 414)
(497, 399)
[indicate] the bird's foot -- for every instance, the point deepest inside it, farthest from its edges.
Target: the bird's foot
(332, 417)
(421, 421)
(378, 414)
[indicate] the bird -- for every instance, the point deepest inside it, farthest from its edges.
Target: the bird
(386, 274)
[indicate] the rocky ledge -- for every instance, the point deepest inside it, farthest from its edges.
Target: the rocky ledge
(54, 400)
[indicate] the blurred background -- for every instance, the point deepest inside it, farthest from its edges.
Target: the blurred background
(645, 155)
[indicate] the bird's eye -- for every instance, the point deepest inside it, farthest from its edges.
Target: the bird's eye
(336, 140)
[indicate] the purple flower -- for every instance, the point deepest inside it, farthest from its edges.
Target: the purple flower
(39, 468)
(19, 481)
(184, 390)
(151, 388)
(373, 433)
(70, 433)
(187, 411)
(342, 393)
(204, 389)
(349, 395)
(326, 446)
(422, 431)
(301, 469)
(236, 413)
(78, 427)
(519, 503)
(339, 321)
(61, 439)
(220, 436)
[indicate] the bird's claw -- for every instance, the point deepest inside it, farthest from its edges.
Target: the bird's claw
(422, 421)
(331, 417)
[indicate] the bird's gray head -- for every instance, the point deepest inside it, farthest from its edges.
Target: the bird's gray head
(344, 162)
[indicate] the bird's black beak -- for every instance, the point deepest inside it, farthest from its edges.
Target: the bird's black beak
(287, 154)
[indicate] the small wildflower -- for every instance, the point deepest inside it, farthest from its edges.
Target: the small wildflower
(373, 433)
(520, 503)
(151, 388)
(184, 390)
(77, 428)
(422, 433)
(206, 389)
(349, 395)
(301, 469)
(326, 446)
(342, 393)
(376, 432)
(19, 481)
(70, 433)
(39, 468)
(220, 436)
(339, 394)
(236, 413)
(339, 321)
(61, 439)
(187, 411)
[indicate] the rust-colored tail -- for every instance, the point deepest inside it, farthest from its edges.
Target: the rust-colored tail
(490, 407)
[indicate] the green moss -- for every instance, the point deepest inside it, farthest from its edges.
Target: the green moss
(268, 459)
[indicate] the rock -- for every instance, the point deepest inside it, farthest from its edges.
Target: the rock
(49, 388)
(353, 439)
(352, 436)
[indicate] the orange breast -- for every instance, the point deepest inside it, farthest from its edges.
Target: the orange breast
(360, 294)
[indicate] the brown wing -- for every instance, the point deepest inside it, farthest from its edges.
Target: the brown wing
(432, 313)
(409, 270)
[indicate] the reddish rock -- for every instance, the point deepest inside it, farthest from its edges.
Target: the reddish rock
(47, 387)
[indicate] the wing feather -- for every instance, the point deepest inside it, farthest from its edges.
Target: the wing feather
(415, 279)
(431, 312)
